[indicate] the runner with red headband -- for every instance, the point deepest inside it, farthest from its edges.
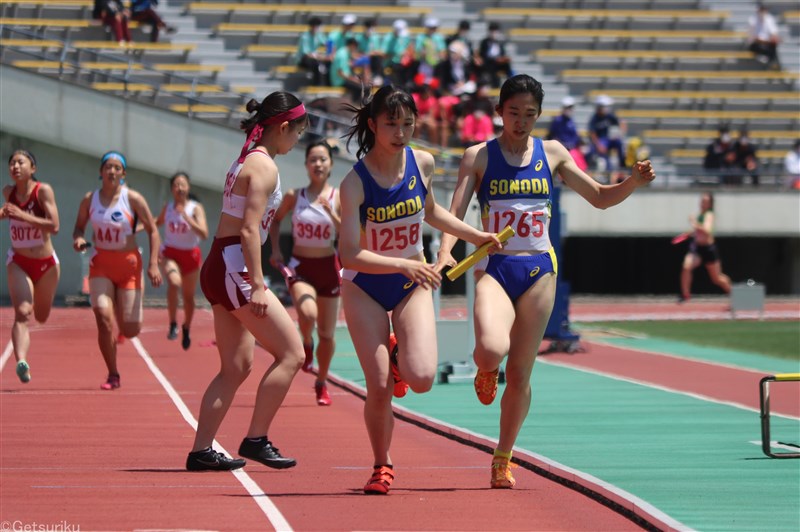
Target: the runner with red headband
(32, 264)
(233, 282)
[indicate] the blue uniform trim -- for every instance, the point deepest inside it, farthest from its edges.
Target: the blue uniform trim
(497, 169)
(376, 196)
(517, 273)
(388, 289)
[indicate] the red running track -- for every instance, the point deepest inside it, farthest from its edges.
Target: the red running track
(73, 454)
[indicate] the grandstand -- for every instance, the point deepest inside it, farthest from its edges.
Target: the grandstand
(662, 66)
(676, 71)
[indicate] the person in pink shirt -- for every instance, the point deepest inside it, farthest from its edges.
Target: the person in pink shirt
(476, 127)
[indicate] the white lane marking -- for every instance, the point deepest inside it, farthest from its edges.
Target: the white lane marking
(776, 445)
(9, 350)
(276, 518)
(662, 388)
(589, 480)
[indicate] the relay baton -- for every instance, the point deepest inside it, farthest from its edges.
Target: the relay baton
(680, 238)
(286, 272)
(469, 261)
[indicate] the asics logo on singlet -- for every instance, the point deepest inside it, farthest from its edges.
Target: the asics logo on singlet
(534, 272)
(116, 216)
(539, 165)
(412, 183)
(408, 285)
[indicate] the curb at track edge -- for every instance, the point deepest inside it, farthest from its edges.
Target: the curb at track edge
(551, 471)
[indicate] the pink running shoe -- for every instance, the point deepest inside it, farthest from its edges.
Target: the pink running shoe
(111, 384)
(323, 397)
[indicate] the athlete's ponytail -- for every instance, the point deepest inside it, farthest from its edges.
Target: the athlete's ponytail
(388, 99)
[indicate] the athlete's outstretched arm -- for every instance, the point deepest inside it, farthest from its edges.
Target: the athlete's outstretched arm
(600, 196)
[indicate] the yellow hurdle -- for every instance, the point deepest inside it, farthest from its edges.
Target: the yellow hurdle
(764, 401)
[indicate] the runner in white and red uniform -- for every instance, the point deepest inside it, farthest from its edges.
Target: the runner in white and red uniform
(314, 280)
(184, 222)
(115, 270)
(32, 264)
(232, 279)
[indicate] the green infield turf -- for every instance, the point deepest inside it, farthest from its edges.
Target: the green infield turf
(774, 338)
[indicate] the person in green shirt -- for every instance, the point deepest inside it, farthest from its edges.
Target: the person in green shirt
(342, 73)
(369, 44)
(430, 48)
(397, 53)
(311, 52)
(337, 39)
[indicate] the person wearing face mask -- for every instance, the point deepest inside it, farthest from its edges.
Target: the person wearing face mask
(746, 156)
(720, 157)
(493, 57)
(562, 128)
(607, 133)
(791, 165)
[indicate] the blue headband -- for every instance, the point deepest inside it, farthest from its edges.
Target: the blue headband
(114, 155)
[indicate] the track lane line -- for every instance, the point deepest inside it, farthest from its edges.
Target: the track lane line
(7, 352)
(536, 462)
(667, 389)
(275, 517)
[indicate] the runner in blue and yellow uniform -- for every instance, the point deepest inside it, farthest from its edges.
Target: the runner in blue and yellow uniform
(515, 289)
(384, 199)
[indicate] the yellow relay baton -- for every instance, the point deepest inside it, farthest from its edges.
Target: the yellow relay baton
(469, 261)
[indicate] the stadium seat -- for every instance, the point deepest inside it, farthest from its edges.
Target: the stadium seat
(610, 19)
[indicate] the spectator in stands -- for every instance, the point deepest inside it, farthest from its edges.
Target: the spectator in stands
(337, 39)
(763, 36)
(429, 120)
(791, 165)
(563, 128)
(311, 54)
(720, 158)
(462, 34)
(456, 73)
(606, 132)
(144, 12)
(369, 44)
(343, 73)
(398, 53)
(477, 126)
(429, 48)
(579, 155)
(495, 63)
(746, 155)
(115, 16)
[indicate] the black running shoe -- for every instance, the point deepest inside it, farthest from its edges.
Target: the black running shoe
(261, 450)
(211, 460)
(173, 331)
(185, 340)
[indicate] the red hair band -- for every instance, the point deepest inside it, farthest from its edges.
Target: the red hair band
(258, 130)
